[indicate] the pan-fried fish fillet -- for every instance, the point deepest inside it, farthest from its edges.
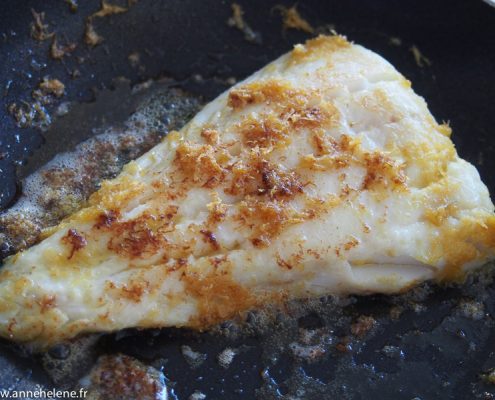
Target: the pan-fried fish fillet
(323, 173)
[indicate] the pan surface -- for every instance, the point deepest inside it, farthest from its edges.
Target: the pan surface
(432, 343)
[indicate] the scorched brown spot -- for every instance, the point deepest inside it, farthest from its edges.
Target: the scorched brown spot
(353, 242)
(293, 109)
(203, 165)
(210, 238)
(266, 219)
(217, 261)
(170, 212)
(330, 153)
(257, 176)
(283, 264)
(382, 170)
(75, 240)
(312, 116)
(314, 253)
(177, 264)
(325, 144)
(106, 219)
(315, 207)
(46, 302)
(267, 131)
(135, 238)
(278, 183)
(217, 211)
(134, 290)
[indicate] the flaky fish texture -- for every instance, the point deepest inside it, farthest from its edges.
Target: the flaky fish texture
(323, 173)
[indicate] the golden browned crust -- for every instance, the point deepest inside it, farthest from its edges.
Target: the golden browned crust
(219, 296)
(211, 136)
(263, 190)
(203, 165)
(266, 219)
(382, 170)
(132, 291)
(330, 154)
(464, 243)
(258, 176)
(291, 108)
(75, 240)
(320, 46)
(261, 186)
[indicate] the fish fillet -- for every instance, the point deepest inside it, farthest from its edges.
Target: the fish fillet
(322, 173)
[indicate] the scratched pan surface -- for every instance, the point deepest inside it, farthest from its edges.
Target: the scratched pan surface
(434, 343)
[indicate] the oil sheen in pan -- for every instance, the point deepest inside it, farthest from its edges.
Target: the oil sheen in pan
(325, 348)
(62, 185)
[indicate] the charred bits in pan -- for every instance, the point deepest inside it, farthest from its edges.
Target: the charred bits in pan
(91, 37)
(237, 21)
(39, 29)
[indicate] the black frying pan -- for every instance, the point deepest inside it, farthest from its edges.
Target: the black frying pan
(442, 341)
